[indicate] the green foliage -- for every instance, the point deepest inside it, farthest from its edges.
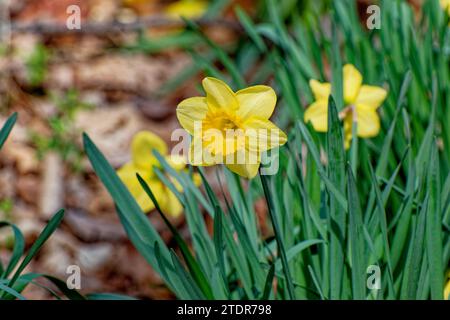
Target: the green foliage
(63, 134)
(37, 64)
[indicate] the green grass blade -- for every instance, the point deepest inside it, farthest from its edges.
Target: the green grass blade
(384, 231)
(278, 237)
(337, 215)
(434, 228)
(19, 246)
(42, 238)
(356, 235)
(7, 127)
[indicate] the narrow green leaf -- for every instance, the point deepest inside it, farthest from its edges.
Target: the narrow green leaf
(356, 235)
(7, 127)
(41, 239)
(278, 237)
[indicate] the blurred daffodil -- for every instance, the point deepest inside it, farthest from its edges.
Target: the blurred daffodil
(187, 9)
(445, 4)
(229, 127)
(361, 104)
(143, 162)
(128, 2)
(447, 287)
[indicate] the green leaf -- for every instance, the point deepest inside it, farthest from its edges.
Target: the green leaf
(11, 292)
(434, 228)
(269, 283)
(337, 215)
(278, 237)
(19, 246)
(356, 238)
(108, 296)
(42, 238)
(7, 127)
(384, 230)
(219, 244)
(137, 225)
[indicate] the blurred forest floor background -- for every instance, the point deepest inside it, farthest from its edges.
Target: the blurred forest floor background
(100, 82)
(61, 85)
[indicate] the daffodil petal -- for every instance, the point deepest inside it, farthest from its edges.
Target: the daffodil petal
(197, 179)
(187, 9)
(263, 135)
(317, 114)
(128, 176)
(447, 291)
(159, 191)
(219, 95)
(144, 201)
(224, 143)
(176, 161)
(368, 121)
(127, 173)
(190, 111)
(199, 155)
(352, 83)
(142, 147)
(371, 96)
(321, 91)
(348, 130)
(257, 101)
(247, 171)
(172, 205)
(247, 168)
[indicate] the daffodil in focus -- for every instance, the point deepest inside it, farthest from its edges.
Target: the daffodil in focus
(187, 9)
(143, 162)
(361, 104)
(229, 127)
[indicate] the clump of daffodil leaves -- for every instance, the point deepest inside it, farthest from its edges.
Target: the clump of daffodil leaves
(361, 103)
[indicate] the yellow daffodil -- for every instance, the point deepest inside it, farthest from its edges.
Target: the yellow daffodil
(445, 4)
(143, 161)
(447, 287)
(361, 104)
(229, 127)
(187, 8)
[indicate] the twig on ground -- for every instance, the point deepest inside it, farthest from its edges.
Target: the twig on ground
(96, 28)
